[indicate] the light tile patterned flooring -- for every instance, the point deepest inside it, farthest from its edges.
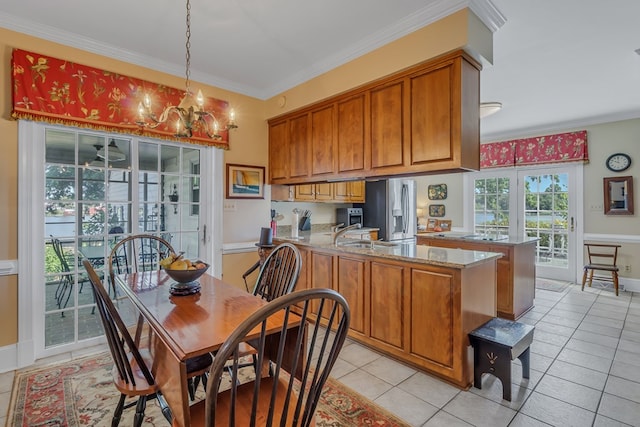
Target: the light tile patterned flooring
(585, 371)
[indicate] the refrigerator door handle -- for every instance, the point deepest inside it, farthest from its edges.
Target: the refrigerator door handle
(405, 208)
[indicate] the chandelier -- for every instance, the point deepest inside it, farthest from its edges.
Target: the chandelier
(190, 112)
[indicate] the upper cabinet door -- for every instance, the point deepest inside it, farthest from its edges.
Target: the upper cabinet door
(431, 120)
(351, 144)
(299, 147)
(386, 126)
(278, 151)
(322, 137)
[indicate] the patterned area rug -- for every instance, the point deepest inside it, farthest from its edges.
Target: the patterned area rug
(81, 393)
(551, 285)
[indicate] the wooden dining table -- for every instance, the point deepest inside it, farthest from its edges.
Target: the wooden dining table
(188, 326)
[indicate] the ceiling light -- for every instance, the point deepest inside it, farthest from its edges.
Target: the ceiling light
(489, 108)
(112, 153)
(190, 112)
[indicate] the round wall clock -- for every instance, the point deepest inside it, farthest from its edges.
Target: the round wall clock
(618, 162)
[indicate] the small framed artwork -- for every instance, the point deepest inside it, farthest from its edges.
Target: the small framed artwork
(431, 224)
(245, 182)
(436, 211)
(437, 192)
(444, 224)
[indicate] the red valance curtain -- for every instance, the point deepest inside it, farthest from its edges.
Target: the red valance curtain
(58, 91)
(558, 148)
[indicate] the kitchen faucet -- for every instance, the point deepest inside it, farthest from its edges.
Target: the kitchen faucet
(337, 231)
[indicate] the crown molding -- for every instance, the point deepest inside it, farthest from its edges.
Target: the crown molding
(564, 126)
(488, 13)
(432, 12)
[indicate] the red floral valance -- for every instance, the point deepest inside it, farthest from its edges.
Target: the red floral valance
(562, 147)
(58, 91)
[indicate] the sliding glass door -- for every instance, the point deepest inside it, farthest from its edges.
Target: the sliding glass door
(97, 189)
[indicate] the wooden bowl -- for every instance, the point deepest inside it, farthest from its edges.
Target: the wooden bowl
(187, 276)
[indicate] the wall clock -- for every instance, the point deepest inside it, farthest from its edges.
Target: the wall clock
(618, 162)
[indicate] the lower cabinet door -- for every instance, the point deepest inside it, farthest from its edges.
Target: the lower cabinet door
(431, 326)
(387, 301)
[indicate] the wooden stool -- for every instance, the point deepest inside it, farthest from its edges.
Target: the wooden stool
(496, 344)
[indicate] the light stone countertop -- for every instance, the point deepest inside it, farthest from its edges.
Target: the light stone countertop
(479, 238)
(405, 251)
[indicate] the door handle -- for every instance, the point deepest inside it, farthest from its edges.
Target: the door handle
(204, 233)
(572, 224)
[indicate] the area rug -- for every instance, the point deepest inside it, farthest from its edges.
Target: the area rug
(551, 285)
(81, 393)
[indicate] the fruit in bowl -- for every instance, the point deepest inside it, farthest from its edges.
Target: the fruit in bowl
(183, 270)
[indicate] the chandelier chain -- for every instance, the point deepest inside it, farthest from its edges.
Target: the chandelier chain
(188, 46)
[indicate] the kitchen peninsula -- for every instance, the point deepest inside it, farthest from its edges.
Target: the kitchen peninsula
(516, 268)
(412, 302)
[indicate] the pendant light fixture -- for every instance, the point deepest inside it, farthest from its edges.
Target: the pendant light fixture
(190, 113)
(112, 153)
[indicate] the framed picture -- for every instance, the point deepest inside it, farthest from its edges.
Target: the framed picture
(245, 182)
(437, 192)
(444, 224)
(436, 211)
(431, 224)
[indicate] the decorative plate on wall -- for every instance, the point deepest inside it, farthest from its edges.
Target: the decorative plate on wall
(436, 210)
(437, 192)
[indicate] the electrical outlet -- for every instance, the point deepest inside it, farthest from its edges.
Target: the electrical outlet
(627, 268)
(230, 206)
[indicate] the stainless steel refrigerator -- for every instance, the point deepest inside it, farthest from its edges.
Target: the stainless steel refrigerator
(390, 205)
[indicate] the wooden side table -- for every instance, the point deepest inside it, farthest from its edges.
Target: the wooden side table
(495, 345)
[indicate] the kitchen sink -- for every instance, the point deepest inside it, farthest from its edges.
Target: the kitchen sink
(365, 244)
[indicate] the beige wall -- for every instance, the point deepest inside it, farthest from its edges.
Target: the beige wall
(448, 34)
(248, 144)
(603, 140)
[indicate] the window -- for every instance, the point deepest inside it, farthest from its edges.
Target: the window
(491, 206)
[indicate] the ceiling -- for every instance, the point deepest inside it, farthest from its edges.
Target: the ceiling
(557, 65)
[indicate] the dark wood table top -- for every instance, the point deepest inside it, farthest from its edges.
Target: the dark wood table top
(191, 325)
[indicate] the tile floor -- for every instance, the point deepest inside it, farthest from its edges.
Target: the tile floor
(585, 371)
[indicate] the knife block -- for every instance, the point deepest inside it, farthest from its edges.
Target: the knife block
(305, 223)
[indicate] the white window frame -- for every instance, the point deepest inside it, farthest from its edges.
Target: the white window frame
(31, 153)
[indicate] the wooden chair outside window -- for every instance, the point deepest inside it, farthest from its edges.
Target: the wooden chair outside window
(277, 398)
(602, 264)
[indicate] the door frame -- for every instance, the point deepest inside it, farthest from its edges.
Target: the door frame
(30, 345)
(576, 200)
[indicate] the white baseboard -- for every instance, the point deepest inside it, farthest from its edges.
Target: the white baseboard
(630, 285)
(8, 358)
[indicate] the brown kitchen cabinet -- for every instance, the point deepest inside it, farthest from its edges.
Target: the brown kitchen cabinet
(421, 120)
(349, 191)
(516, 271)
(351, 279)
(314, 192)
(353, 152)
(420, 314)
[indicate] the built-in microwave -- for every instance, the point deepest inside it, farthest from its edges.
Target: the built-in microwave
(349, 216)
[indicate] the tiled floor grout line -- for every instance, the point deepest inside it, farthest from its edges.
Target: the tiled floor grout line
(565, 293)
(602, 392)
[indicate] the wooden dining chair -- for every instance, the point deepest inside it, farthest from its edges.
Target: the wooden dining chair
(138, 252)
(603, 261)
(131, 373)
(278, 276)
(277, 398)
(143, 252)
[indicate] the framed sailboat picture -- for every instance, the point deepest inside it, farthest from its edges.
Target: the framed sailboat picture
(245, 182)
